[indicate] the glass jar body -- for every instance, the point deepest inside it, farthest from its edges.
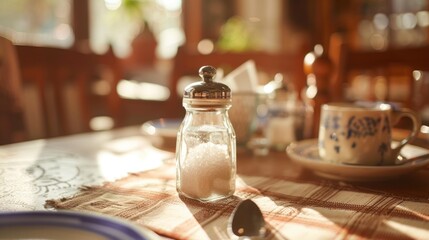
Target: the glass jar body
(206, 154)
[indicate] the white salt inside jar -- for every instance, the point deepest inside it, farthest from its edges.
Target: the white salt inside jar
(207, 171)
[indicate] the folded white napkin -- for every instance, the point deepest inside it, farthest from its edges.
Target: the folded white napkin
(244, 78)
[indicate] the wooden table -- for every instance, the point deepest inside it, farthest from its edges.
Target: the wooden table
(35, 171)
(52, 168)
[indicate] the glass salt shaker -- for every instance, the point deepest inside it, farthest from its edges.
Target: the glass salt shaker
(206, 142)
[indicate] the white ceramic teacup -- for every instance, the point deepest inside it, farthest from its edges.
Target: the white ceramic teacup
(361, 133)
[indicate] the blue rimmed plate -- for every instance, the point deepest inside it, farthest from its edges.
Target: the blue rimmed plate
(306, 153)
(68, 225)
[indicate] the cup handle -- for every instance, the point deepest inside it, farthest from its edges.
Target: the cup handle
(396, 116)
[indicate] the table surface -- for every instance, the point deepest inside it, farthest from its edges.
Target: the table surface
(35, 171)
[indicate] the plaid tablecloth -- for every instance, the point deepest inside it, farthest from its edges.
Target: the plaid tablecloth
(293, 209)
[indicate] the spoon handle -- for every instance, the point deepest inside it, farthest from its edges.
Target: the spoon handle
(413, 159)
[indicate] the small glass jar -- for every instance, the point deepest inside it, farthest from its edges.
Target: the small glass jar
(206, 142)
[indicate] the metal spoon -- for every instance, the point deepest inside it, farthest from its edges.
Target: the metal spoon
(403, 160)
(247, 221)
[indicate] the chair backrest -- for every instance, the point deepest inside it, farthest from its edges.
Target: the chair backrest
(57, 85)
(188, 63)
(382, 75)
(12, 125)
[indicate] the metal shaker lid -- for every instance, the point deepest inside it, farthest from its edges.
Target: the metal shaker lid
(207, 91)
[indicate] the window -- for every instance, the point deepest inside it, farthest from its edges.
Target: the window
(37, 22)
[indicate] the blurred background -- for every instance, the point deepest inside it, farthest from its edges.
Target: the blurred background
(70, 66)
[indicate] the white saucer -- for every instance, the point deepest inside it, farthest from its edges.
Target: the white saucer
(306, 153)
(69, 225)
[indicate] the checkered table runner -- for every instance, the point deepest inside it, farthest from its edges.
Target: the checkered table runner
(293, 209)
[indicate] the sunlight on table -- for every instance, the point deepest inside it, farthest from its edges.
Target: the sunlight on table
(120, 157)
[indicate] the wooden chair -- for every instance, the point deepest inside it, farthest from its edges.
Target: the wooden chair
(390, 72)
(145, 72)
(56, 85)
(12, 124)
(188, 63)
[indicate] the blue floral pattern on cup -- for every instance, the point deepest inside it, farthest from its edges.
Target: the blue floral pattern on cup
(356, 133)
(357, 128)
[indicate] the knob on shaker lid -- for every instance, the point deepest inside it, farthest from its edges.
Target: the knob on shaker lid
(207, 91)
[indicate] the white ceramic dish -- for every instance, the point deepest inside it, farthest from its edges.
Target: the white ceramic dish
(163, 127)
(68, 225)
(306, 153)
